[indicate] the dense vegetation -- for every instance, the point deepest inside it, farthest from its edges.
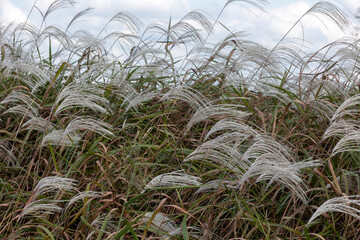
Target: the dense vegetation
(231, 141)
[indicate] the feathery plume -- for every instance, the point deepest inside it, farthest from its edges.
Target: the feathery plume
(69, 137)
(139, 99)
(27, 111)
(194, 98)
(59, 138)
(194, 233)
(233, 126)
(28, 72)
(88, 124)
(39, 124)
(99, 222)
(227, 156)
(57, 4)
(6, 154)
(82, 195)
(216, 184)
(348, 107)
(332, 12)
(23, 103)
(47, 185)
(54, 183)
(264, 144)
(221, 110)
(350, 142)
(274, 168)
(80, 95)
(341, 128)
(339, 204)
(323, 107)
(130, 21)
(173, 179)
(160, 222)
(273, 161)
(38, 208)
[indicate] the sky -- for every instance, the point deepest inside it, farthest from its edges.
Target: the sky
(265, 27)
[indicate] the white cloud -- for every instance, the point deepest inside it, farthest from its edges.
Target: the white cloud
(265, 28)
(147, 11)
(268, 28)
(10, 13)
(143, 9)
(352, 4)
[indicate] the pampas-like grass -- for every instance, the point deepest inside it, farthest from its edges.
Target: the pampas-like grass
(20, 96)
(39, 208)
(344, 125)
(350, 142)
(279, 95)
(139, 99)
(39, 124)
(341, 128)
(227, 156)
(220, 111)
(98, 224)
(131, 22)
(160, 223)
(326, 85)
(242, 129)
(69, 135)
(44, 186)
(6, 153)
(347, 204)
(58, 4)
(332, 12)
(123, 89)
(323, 108)
(51, 184)
(27, 72)
(59, 138)
(89, 124)
(82, 195)
(172, 179)
(231, 87)
(194, 233)
(348, 107)
(274, 162)
(265, 157)
(246, 57)
(26, 111)
(183, 31)
(80, 95)
(215, 185)
(192, 97)
(274, 168)
(264, 144)
(23, 104)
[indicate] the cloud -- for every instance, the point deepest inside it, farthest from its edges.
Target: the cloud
(352, 4)
(10, 13)
(268, 28)
(143, 9)
(147, 11)
(265, 28)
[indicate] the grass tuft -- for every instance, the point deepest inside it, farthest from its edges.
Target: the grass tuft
(154, 132)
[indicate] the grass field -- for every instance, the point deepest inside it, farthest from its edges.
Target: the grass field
(231, 141)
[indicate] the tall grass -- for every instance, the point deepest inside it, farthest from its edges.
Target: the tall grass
(233, 140)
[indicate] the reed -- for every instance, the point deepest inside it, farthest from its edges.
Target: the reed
(232, 140)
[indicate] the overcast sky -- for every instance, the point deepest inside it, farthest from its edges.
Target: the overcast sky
(263, 27)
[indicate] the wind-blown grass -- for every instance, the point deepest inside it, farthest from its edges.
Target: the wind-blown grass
(230, 140)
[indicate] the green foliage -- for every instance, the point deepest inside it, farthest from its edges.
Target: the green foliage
(233, 141)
